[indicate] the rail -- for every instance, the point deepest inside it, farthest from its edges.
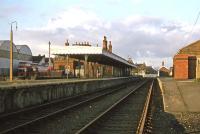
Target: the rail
(141, 125)
(91, 123)
(50, 114)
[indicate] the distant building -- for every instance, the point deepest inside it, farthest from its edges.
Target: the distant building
(141, 69)
(42, 62)
(129, 60)
(186, 63)
(21, 53)
(163, 71)
(171, 71)
(150, 70)
(145, 71)
(40, 59)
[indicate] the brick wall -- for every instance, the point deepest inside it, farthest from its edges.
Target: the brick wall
(180, 62)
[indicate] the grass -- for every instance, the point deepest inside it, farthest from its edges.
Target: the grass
(197, 80)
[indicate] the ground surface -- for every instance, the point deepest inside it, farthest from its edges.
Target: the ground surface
(163, 122)
(181, 100)
(181, 96)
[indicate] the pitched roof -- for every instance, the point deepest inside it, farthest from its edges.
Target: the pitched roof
(164, 69)
(150, 70)
(47, 60)
(24, 49)
(37, 59)
(141, 66)
(96, 52)
(5, 45)
(193, 49)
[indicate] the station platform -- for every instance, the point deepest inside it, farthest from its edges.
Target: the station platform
(180, 95)
(19, 83)
(17, 95)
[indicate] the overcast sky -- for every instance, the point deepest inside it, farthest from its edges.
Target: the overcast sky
(149, 31)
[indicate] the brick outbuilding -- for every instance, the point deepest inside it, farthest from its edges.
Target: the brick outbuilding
(186, 62)
(184, 66)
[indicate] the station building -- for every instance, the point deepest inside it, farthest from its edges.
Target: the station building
(186, 63)
(21, 53)
(86, 61)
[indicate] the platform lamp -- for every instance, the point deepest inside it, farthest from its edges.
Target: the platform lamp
(11, 50)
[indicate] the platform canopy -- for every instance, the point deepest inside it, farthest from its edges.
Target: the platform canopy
(95, 54)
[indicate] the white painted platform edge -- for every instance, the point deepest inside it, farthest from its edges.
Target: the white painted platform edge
(162, 92)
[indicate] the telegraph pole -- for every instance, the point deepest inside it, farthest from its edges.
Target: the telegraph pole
(11, 50)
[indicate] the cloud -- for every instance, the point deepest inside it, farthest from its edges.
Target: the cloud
(6, 11)
(118, 2)
(145, 39)
(136, 2)
(75, 17)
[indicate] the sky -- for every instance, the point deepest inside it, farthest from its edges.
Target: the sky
(149, 31)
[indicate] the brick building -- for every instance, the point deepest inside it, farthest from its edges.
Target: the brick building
(163, 71)
(186, 62)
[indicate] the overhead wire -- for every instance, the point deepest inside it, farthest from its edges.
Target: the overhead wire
(191, 31)
(197, 18)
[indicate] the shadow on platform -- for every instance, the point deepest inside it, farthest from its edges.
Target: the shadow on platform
(163, 122)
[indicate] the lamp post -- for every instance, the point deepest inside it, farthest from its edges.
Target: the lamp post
(11, 50)
(49, 54)
(67, 66)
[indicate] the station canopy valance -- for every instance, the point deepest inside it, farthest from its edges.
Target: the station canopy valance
(95, 54)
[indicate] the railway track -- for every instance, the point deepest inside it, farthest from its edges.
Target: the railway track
(127, 115)
(21, 121)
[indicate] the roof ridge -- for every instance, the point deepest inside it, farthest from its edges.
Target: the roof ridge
(191, 44)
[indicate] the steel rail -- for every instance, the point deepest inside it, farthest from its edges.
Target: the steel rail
(84, 128)
(58, 111)
(141, 126)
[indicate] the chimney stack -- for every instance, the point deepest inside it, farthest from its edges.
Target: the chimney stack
(163, 63)
(110, 47)
(67, 43)
(104, 43)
